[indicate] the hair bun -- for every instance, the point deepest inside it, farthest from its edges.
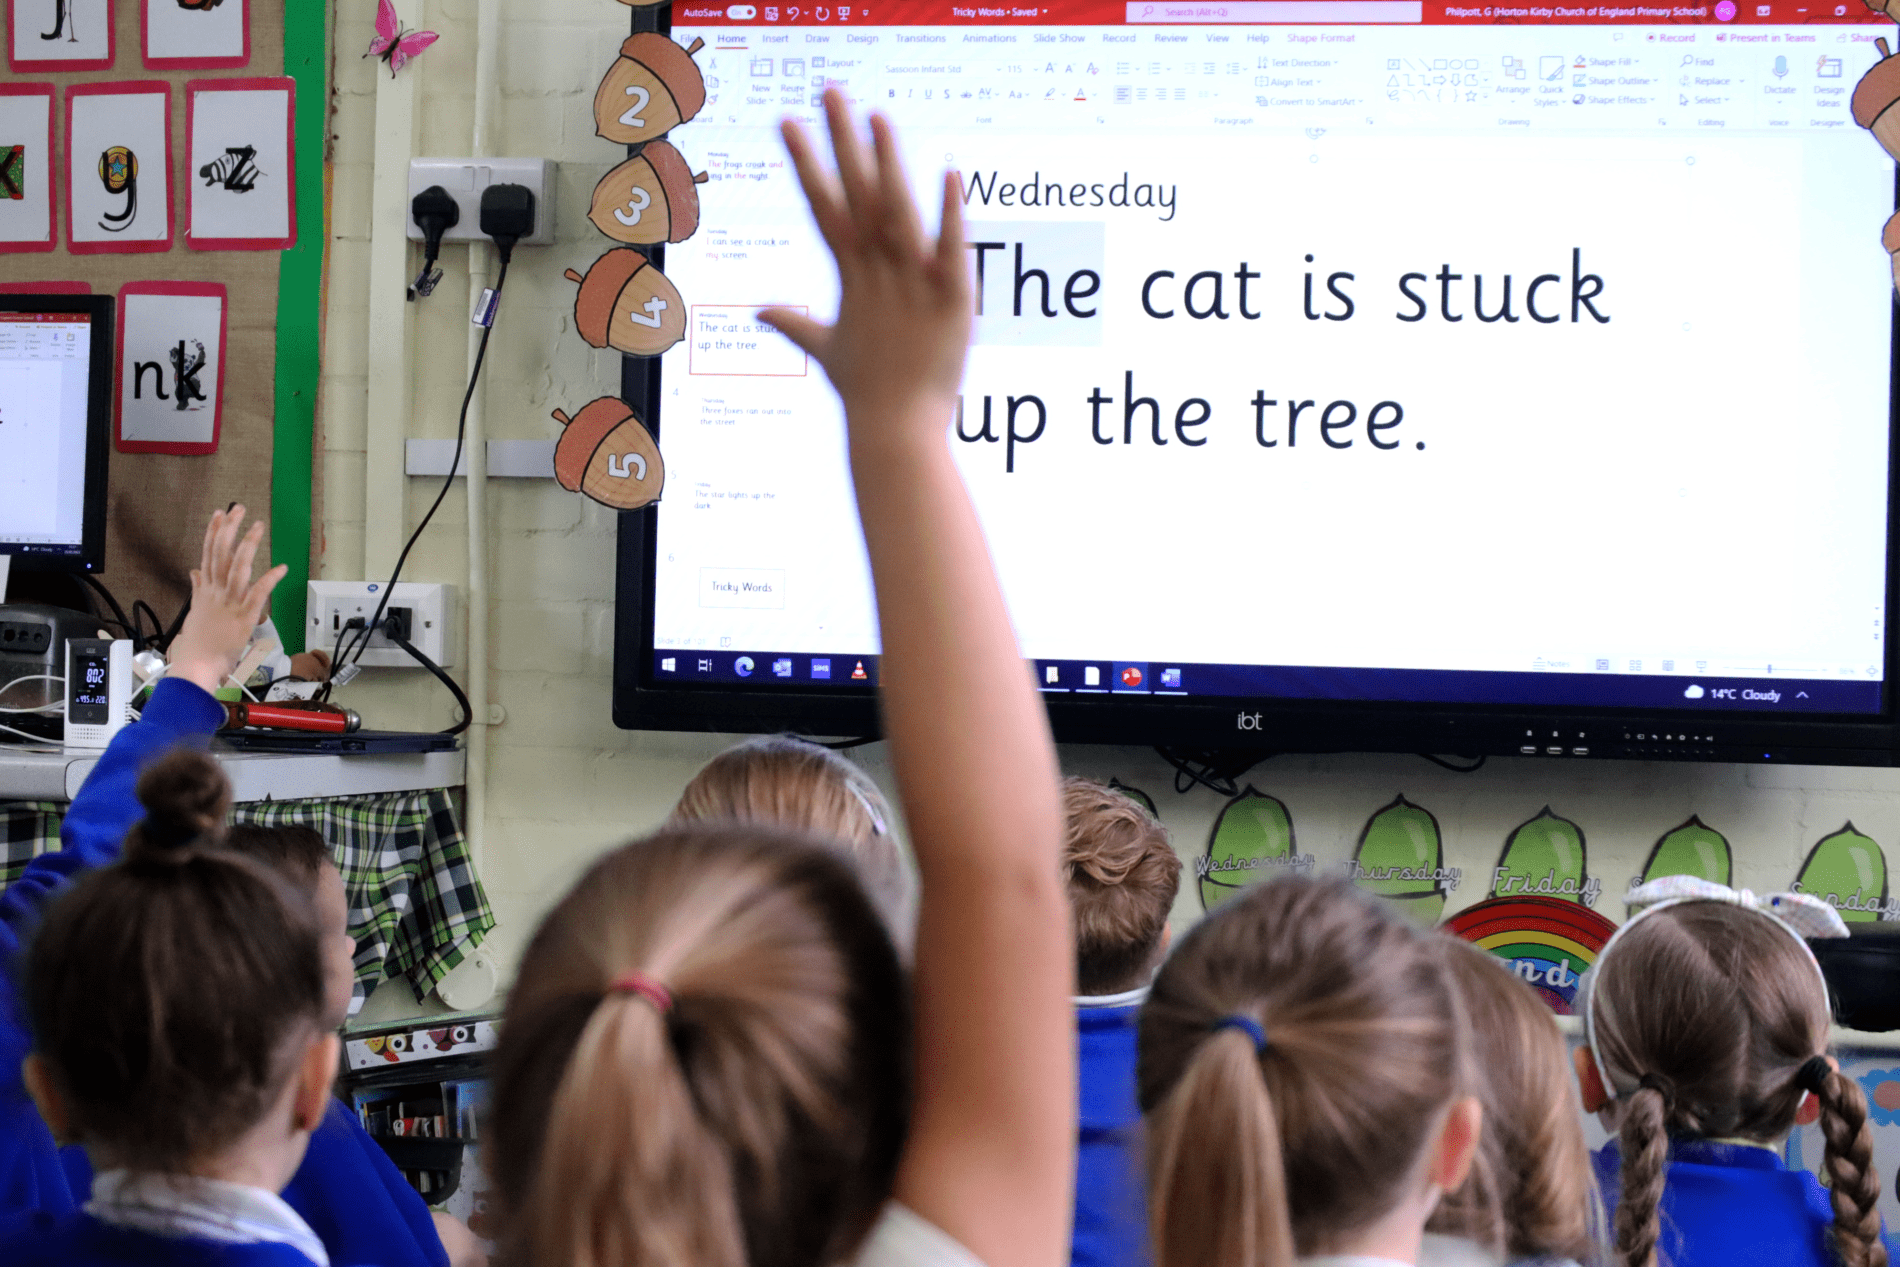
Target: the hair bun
(186, 797)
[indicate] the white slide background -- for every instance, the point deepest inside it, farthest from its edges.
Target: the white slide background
(29, 449)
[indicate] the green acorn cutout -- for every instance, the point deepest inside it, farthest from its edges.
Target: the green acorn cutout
(1848, 871)
(1545, 857)
(1253, 832)
(1695, 848)
(1401, 857)
(1136, 795)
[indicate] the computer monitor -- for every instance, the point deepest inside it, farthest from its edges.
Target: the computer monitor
(1347, 374)
(55, 429)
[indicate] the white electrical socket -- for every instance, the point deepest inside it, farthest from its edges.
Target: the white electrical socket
(434, 620)
(465, 178)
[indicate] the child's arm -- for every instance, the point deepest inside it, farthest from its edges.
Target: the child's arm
(990, 1158)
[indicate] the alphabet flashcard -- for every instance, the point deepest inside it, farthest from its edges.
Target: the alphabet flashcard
(27, 206)
(55, 35)
(118, 167)
(170, 367)
(240, 192)
(195, 34)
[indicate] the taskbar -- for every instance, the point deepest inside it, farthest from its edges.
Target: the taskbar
(1131, 678)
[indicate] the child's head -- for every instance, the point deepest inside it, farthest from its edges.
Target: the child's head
(1709, 1019)
(1301, 1070)
(302, 855)
(704, 1060)
(798, 786)
(1122, 876)
(178, 999)
(1531, 1193)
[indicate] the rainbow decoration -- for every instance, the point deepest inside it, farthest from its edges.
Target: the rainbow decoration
(1549, 942)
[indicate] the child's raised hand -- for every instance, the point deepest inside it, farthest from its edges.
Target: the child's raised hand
(226, 604)
(896, 352)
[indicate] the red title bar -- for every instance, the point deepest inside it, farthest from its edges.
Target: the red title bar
(49, 318)
(808, 15)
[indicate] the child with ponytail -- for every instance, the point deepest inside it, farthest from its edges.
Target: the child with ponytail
(1531, 1198)
(1705, 1028)
(1303, 1075)
(710, 1055)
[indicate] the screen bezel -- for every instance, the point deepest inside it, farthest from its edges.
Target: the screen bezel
(1257, 724)
(92, 544)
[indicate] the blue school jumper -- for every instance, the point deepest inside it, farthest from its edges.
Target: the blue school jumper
(347, 1190)
(1111, 1204)
(79, 1240)
(1732, 1205)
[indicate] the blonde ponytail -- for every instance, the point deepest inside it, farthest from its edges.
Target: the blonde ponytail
(704, 1062)
(1217, 1182)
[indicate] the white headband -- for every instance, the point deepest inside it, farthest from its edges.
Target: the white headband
(878, 826)
(1800, 915)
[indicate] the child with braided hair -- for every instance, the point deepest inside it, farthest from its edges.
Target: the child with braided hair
(1705, 1027)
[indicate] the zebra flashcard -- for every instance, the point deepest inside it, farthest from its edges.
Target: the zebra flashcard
(241, 192)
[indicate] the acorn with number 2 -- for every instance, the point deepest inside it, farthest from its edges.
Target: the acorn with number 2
(653, 88)
(652, 197)
(609, 455)
(627, 304)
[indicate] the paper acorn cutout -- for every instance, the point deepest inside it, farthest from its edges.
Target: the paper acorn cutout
(653, 88)
(627, 304)
(607, 454)
(1875, 97)
(652, 197)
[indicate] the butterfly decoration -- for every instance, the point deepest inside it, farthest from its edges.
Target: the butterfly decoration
(394, 43)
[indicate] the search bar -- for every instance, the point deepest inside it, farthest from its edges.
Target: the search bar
(1323, 12)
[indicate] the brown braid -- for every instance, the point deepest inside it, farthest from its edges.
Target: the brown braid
(1645, 1147)
(1853, 1183)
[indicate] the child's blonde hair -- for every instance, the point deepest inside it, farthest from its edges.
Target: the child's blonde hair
(1259, 1151)
(1531, 1194)
(705, 1059)
(791, 783)
(1712, 1012)
(1122, 875)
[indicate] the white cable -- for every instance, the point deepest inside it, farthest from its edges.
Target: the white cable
(37, 708)
(35, 677)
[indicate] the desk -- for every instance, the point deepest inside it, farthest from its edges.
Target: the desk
(255, 776)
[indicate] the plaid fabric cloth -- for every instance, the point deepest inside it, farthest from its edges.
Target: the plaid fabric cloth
(416, 905)
(27, 830)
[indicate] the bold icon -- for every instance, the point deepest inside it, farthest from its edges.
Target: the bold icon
(395, 44)
(782, 667)
(607, 453)
(1694, 849)
(1091, 676)
(858, 674)
(1402, 857)
(1051, 675)
(821, 669)
(627, 304)
(667, 663)
(743, 666)
(1131, 676)
(119, 173)
(651, 198)
(651, 89)
(1171, 679)
(1251, 841)
(12, 172)
(235, 171)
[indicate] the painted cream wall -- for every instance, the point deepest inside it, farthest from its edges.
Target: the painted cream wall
(565, 784)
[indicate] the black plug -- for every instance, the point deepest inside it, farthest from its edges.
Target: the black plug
(507, 216)
(435, 213)
(396, 623)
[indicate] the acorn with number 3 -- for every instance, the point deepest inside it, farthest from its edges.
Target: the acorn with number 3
(653, 88)
(652, 197)
(627, 304)
(609, 455)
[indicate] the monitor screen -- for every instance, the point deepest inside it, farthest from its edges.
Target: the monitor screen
(1522, 356)
(55, 376)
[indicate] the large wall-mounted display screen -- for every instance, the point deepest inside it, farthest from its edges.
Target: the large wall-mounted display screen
(1524, 357)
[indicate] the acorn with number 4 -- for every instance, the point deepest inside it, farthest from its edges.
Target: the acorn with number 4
(653, 88)
(608, 454)
(625, 303)
(652, 197)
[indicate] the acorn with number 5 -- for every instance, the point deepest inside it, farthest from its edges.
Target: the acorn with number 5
(652, 197)
(625, 303)
(608, 454)
(653, 88)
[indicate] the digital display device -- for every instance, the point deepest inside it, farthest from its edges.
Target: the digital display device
(1346, 373)
(55, 429)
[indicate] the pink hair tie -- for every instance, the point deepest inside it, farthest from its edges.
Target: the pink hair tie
(647, 988)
